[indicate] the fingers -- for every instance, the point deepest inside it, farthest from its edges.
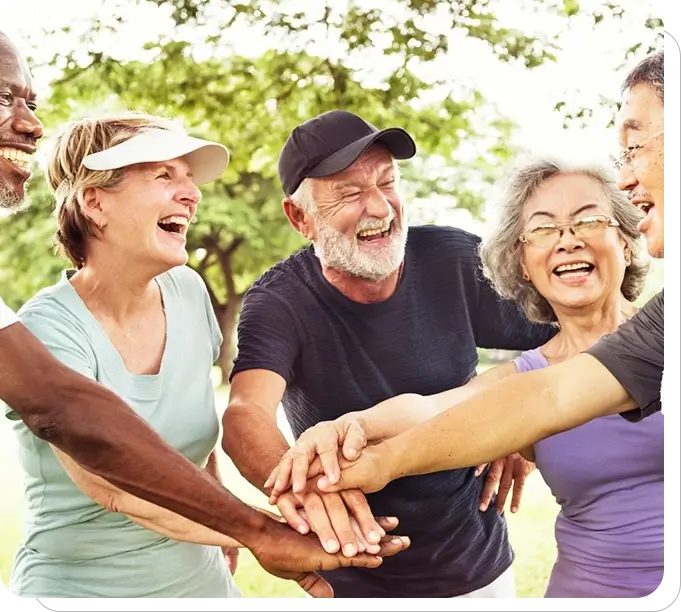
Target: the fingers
(504, 486)
(518, 486)
(314, 585)
(288, 507)
(318, 518)
(302, 456)
(387, 523)
(391, 545)
(340, 523)
(281, 477)
(359, 509)
(362, 544)
(355, 440)
(329, 459)
(480, 469)
(493, 477)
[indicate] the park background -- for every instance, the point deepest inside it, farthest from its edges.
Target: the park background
(478, 83)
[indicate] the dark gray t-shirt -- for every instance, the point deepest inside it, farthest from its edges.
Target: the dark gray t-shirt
(338, 356)
(634, 354)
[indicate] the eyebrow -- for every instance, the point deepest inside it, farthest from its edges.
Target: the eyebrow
(166, 166)
(631, 124)
(546, 213)
(14, 87)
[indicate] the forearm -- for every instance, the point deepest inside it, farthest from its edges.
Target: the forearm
(398, 414)
(253, 442)
(99, 431)
(510, 415)
(394, 416)
(168, 523)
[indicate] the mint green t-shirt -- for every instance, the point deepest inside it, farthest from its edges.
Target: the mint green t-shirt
(72, 547)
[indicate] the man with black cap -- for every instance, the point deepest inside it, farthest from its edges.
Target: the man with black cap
(370, 310)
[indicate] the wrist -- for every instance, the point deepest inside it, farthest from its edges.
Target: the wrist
(390, 460)
(253, 530)
(363, 419)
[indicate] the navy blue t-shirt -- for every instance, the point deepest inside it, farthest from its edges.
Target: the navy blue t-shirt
(339, 356)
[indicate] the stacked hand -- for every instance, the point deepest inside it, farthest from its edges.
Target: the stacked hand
(286, 554)
(335, 456)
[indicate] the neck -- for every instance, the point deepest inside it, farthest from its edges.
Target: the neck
(582, 328)
(116, 289)
(361, 290)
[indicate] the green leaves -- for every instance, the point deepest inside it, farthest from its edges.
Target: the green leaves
(368, 57)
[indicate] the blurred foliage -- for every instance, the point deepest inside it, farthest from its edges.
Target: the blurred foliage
(577, 116)
(251, 103)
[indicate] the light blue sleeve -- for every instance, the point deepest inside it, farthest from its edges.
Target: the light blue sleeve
(61, 335)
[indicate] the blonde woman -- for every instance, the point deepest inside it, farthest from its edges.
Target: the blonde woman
(133, 317)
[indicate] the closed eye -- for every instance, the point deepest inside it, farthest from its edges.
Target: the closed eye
(164, 175)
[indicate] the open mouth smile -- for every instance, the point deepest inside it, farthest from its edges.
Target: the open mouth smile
(375, 233)
(175, 225)
(580, 269)
(17, 158)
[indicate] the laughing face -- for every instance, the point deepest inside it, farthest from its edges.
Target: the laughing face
(640, 125)
(583, 267)
(20, 129)
(146, 217)
(359, 223)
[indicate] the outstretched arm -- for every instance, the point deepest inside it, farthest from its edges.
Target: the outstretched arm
(351, 432)
(103, 435)
(512, 414)
(139, 511)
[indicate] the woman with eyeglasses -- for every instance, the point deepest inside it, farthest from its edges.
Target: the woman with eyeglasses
(565, 248)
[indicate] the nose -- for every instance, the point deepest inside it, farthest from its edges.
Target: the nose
(25, 122)
(377, 205)
(626, 179)
(568, 242)
(189, 194)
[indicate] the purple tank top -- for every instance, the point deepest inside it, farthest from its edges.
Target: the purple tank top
(608, 478)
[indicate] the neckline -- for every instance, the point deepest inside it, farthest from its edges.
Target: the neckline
(112, 357)
(339, 297)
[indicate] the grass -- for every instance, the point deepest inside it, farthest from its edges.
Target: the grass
(531, 529)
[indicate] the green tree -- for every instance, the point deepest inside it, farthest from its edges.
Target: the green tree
(250, 103)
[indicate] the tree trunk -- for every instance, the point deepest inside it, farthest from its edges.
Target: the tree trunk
(228, 318)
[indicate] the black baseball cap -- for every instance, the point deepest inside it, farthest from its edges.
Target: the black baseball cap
(331, 142)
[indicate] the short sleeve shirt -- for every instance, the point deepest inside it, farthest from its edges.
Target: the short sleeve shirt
(634, 355)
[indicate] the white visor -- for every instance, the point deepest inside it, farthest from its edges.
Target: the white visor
(207, 160)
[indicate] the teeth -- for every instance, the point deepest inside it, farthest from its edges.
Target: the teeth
(374, 231)
(176, 219)
(20, 158)
(574, 266)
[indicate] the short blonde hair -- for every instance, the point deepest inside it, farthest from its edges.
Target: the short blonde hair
(68, 179)
(501, 251)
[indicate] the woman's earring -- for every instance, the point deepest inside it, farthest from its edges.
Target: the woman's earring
(627, 257)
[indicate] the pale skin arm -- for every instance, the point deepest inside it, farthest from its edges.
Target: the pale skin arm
(398, 414)
(352, 431)
(143, 513)
(511, 414)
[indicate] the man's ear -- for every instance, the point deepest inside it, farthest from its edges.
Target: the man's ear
(298, 218)
(91, 206)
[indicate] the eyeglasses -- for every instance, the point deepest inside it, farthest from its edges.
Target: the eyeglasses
(626, 156)
(548, 234)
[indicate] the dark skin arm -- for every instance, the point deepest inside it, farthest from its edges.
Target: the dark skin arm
(112, 442)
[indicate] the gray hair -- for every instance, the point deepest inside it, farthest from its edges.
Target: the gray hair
(649, 71)
(501, 252)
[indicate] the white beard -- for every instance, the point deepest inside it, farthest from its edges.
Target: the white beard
(336, 250)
